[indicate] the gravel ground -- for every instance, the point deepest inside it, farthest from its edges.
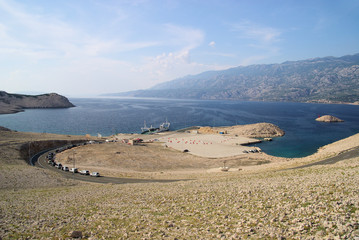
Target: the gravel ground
(314, 203)
(259, 202)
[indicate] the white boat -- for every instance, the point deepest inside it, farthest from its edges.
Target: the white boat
(164, 126)
(146, 129)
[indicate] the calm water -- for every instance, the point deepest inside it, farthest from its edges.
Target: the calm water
(108, 116)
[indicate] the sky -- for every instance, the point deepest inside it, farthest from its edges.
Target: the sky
(91, 47)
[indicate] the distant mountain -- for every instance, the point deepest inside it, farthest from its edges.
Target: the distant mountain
(12, 103)
(328, 79)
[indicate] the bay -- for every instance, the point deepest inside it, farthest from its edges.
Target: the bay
(108, 116)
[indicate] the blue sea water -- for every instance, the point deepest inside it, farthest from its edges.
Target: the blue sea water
(108, 116)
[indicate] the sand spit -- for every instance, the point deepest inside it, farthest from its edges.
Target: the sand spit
(259, 202)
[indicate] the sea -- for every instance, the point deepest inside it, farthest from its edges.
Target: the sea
(108, 116)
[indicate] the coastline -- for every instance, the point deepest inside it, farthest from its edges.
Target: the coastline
(259, 201)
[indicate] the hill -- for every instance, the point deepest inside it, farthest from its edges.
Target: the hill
(13, 103)
(258, 202)
(328, 79)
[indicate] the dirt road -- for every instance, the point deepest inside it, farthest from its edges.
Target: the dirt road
(40, 160)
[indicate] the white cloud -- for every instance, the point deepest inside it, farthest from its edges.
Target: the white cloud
(212, 44)
(249, 30)
(38, 33)
(46, 49)
(262, 40)
(169, 66)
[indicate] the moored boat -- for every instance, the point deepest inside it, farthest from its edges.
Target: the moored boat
(149, 130)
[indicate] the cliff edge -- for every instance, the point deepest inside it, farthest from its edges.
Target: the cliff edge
(13, 103)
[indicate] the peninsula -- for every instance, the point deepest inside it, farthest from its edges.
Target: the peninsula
(13, 103)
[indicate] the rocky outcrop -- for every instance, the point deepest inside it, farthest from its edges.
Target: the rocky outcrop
(328, 118)
(12, 103)
(5, 129)
(257, 130)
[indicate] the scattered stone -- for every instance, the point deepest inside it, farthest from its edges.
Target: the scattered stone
(76, 234)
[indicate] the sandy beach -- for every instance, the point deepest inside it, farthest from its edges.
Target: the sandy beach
(258, 202)
(209, 145)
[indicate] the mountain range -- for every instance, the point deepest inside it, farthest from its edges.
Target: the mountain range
(327, 80)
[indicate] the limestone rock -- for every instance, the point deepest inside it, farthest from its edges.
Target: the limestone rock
(257, 130)
(328, 118)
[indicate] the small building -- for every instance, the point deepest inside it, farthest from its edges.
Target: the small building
(134, 141)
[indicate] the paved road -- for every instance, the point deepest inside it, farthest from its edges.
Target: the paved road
(40, 160)
(342, 156)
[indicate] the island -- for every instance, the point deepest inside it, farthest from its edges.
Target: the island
(13, 103)
(328, 118)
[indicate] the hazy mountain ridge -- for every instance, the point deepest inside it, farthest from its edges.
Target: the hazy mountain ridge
(328, 79)
(12, 103)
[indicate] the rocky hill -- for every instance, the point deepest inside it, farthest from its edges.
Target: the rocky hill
(257, 130)
(12, 103)
(328, 79)
(328, 118)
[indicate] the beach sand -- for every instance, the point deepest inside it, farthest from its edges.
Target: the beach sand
(209, 145)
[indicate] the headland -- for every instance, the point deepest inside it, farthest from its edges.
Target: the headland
(13, 103)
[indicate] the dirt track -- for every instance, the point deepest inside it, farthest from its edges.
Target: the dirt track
(41, 162)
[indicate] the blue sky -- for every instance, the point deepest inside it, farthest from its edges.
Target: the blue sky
(86, 48)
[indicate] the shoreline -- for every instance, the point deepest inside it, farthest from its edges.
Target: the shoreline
(13, 108)
(259, 201)
(323, 150)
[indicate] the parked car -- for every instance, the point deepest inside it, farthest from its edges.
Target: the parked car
(59, 166)
(95, 174)
(74, 170)
(65, 168)
(85, 172)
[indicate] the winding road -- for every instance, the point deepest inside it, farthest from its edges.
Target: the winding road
(39, 160)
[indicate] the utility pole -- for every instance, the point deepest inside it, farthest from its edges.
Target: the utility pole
(73, 158)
